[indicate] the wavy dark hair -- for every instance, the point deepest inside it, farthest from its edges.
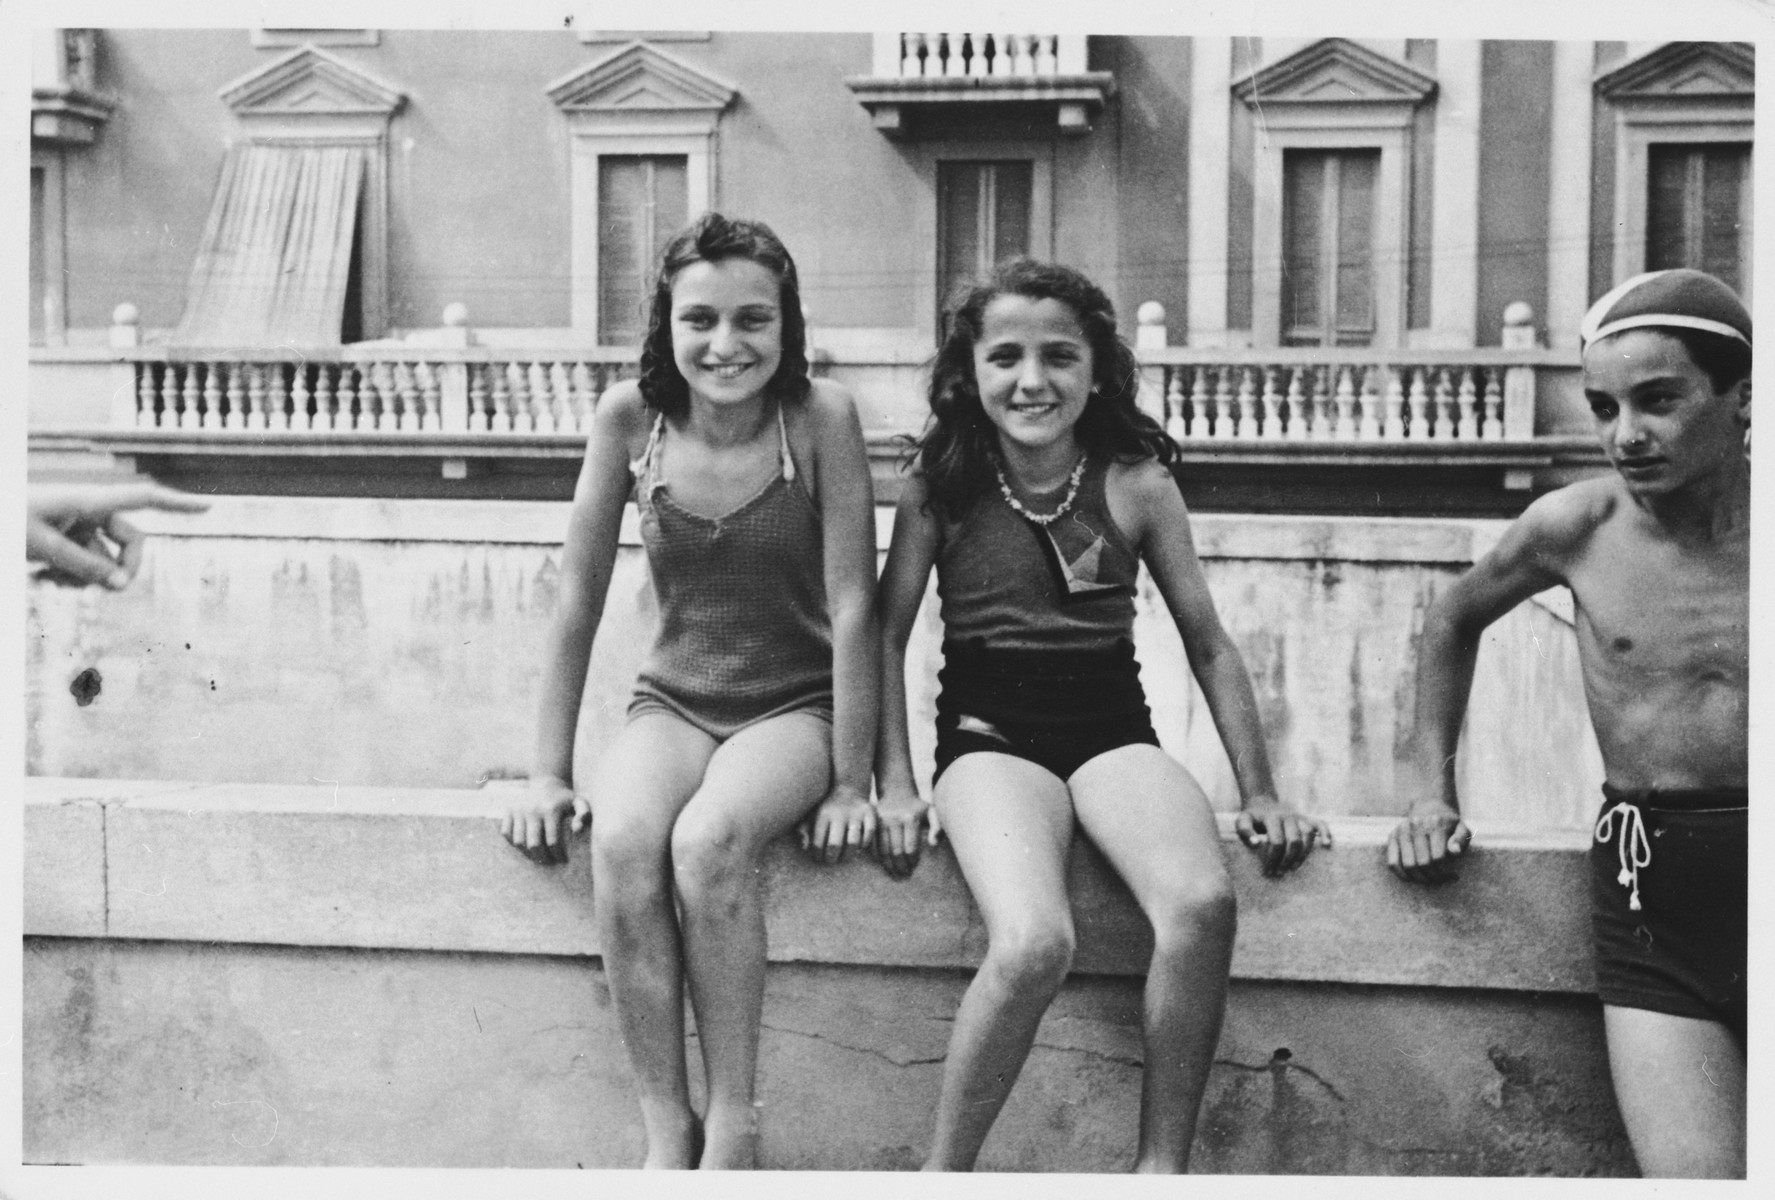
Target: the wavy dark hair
(959, 446)
(713, 238)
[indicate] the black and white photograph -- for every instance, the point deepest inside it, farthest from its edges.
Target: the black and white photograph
(1145, 589)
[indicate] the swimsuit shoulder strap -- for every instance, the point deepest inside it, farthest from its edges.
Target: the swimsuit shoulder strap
(640, 467)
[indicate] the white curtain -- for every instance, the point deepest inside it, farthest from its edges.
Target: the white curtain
(276, 250)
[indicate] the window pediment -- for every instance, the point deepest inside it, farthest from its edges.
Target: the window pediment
(641, 78)
(1335, 71)
(1684, 70)
(309, 81)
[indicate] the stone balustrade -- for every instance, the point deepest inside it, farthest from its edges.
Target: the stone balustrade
(989, 55)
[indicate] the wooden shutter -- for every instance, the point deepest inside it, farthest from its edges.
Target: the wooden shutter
(274, 261)
(642, 201)
(1328, 270)
(983, 212)
(1698, 209)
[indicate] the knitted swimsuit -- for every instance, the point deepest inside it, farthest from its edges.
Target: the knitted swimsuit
(744, 631)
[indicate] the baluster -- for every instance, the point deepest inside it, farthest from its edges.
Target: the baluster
(1368, 426)
(1345, 430)
(431, 404)
(1320, 404)
(299, 397)
(976, 55)
(910, 63)
(502, 400)
(410, 419)
(1493, 430)
(168, 416)
(1223, 403)
(254, 383)
(583, 398)
(1466, 402)
(542, 404)
(326, 412)
(1417, 403)
(234, 391)
(478, 407)
(350, 408)
(1272, 406)
(562, 386)
(1196, 424)
(1046, 57)
(1393, 422)
(145, 393)
(1174, 423)
(277, 396)
(209, 401)
(1442, 406)
(523, 419)
(188, 417)
(1297, 405)
(1247, 426)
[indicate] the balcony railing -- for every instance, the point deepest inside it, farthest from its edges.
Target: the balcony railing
(986, 55)
(934, 72)
(1516, 407)
(375, 390)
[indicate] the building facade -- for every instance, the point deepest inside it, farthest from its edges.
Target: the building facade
(1319, 240)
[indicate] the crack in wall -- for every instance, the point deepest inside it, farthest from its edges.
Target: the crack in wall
(1282, 1064)
(831, 1041)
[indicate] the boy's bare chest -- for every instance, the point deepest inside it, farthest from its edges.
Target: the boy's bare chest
(1660, 608)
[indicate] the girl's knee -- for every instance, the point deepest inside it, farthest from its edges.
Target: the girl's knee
(633, 852)
(708, 851)
(1033, 957)
(1195, 909)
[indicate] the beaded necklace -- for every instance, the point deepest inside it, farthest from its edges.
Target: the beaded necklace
(1072, 493)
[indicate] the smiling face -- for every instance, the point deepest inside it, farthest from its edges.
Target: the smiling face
(1662, 423)
(1033, 367)
(727, 328)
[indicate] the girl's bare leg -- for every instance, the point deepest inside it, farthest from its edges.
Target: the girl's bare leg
(1010, 824)
(758, 784)
(1154, 825)
(641, 783)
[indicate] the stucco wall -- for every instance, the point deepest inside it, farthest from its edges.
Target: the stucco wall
(227, 974)
(397, 642)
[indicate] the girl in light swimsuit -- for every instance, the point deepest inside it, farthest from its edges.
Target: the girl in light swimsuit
(1037, 490)
(756, 706)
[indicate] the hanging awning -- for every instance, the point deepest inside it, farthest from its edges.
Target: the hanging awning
(276, 251)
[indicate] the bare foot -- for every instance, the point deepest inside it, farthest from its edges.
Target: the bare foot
(731, 1133)
(674, 1139)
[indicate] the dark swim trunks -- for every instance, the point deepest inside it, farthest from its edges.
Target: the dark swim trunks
(1057, 709)
(1669, 874)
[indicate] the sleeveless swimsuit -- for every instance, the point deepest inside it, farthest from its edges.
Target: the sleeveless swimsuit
(1038, 651)
(744, 631)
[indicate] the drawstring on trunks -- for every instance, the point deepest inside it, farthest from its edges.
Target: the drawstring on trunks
(1632, 847)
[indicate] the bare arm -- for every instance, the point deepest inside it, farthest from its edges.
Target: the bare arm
(910, 557)
(1529, 558)
(587, 558)
(846, 499)
(1160, 523)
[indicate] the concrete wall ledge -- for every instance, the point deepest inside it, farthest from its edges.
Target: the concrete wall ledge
(425, 869)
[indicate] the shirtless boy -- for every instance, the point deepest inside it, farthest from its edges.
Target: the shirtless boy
(1657, 557)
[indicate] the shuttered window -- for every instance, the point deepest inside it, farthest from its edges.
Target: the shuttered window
(1328, 269)
(982, 219)
(642, 201)
(275, 261)
(1698, 209)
